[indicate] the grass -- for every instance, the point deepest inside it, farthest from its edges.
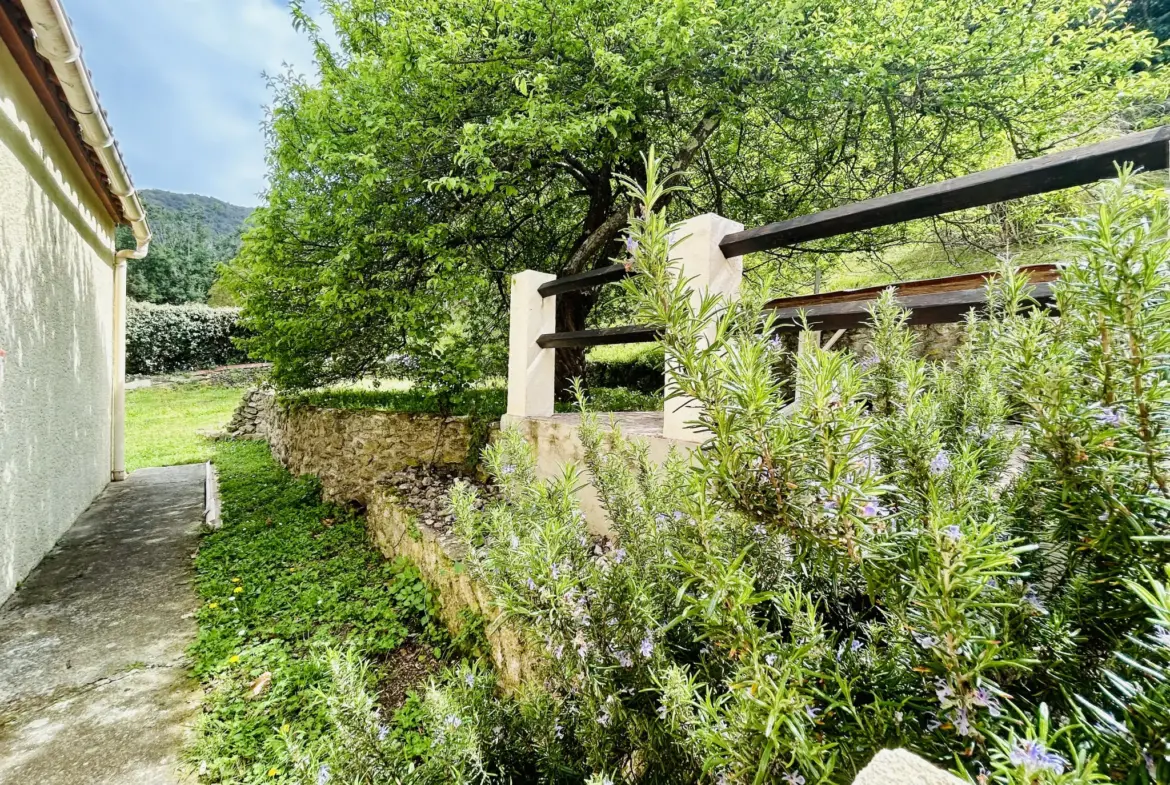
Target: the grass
(287, 577)
(488, 403)
(163, 422)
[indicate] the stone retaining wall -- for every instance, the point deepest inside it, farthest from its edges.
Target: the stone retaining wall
(349, 450)
(397, 531)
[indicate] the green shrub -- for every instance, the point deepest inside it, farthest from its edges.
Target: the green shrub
(967, 559)
(637, 367)
(166, 338)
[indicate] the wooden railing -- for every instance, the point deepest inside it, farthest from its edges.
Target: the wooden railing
(714, 259)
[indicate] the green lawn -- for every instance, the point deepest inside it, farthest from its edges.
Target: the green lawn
(162, 423)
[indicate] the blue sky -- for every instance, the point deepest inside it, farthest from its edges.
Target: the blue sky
(182, 82)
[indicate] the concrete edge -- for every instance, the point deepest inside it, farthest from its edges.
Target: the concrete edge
(211, 505)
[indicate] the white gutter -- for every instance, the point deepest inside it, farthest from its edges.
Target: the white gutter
(56, 43)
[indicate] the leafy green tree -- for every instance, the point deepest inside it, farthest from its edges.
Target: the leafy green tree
(450, 143)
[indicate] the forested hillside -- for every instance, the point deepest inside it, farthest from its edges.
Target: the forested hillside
(192, 235)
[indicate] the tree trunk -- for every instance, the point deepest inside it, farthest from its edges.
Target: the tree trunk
(572, 311)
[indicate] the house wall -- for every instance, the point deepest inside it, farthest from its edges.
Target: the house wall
(56, 333)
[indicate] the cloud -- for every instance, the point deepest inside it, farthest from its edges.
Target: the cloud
(183, 84)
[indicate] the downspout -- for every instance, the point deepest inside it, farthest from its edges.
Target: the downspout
(56, 43)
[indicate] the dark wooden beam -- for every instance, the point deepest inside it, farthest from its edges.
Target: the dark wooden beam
(938, 308)
(602, 337)
(585, 280)
(1149, 150)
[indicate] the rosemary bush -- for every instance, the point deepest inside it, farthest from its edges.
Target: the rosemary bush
(966, 559)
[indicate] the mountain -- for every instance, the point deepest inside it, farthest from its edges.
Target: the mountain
(193, 235)
(219, 217)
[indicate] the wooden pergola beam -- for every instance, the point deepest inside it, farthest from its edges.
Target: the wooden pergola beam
(1149, 150)
(934, 301)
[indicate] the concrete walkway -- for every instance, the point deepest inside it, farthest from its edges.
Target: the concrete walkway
(93, 685)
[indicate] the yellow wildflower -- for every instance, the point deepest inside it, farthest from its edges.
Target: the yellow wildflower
(239, 590)
(213, 605)
(235, 580)
(234, 659)
(273, 771)
(285, 728)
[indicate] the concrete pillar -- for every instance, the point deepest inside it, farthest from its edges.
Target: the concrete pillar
(699, 260)
(531, 370)
(118, 372)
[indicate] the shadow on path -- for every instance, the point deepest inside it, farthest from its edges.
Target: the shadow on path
(93, 681)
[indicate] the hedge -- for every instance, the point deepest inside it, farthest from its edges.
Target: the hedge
(640, 368)
(166, 338)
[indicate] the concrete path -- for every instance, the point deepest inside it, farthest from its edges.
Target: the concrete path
(93, 685)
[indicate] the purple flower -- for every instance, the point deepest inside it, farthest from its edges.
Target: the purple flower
(323, 774)
(624, 659)
(793, 778)
(453, 721)
(531, 585)
(856, 645)
(559, 651)
(770, 659)
(583, 648)
(869, 361)
(953, 533)
(661, 519)
(1033, 756)
(555, 570)
(813, 712)
(469, 679)
(647, 647)
(383, 732)
(871, 508)
(631, 245)
(1109, 416)
(1033, 600)
(962, 719)
(940, 463)
(558, 731)
(507, 468)
(619, 555)
(759, 530)
(831, 506)
(925, 641)
(603, 718)
(944, 692)
(982, 697)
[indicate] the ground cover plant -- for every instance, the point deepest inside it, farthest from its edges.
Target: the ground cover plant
(965, 559)
(285, 581)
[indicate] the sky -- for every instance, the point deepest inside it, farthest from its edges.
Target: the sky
(182, 82)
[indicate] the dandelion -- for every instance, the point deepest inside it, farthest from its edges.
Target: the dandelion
(273, 771)
(238, 590)
(953, 533)
(233, 659)
(1034, 756)
(213, 605)
(647, 647)
(940, 463)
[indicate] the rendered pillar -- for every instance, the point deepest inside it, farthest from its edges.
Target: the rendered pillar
(531, 370)
(699, 260)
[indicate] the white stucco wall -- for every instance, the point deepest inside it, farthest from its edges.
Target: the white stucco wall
(56, 332)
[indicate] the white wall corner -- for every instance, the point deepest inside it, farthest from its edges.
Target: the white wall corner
(698, 259)
(531, 370)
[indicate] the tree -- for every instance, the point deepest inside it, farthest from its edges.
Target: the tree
(450, 143)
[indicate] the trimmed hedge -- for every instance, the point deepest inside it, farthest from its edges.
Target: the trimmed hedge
(166, 338)
(640, 368)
